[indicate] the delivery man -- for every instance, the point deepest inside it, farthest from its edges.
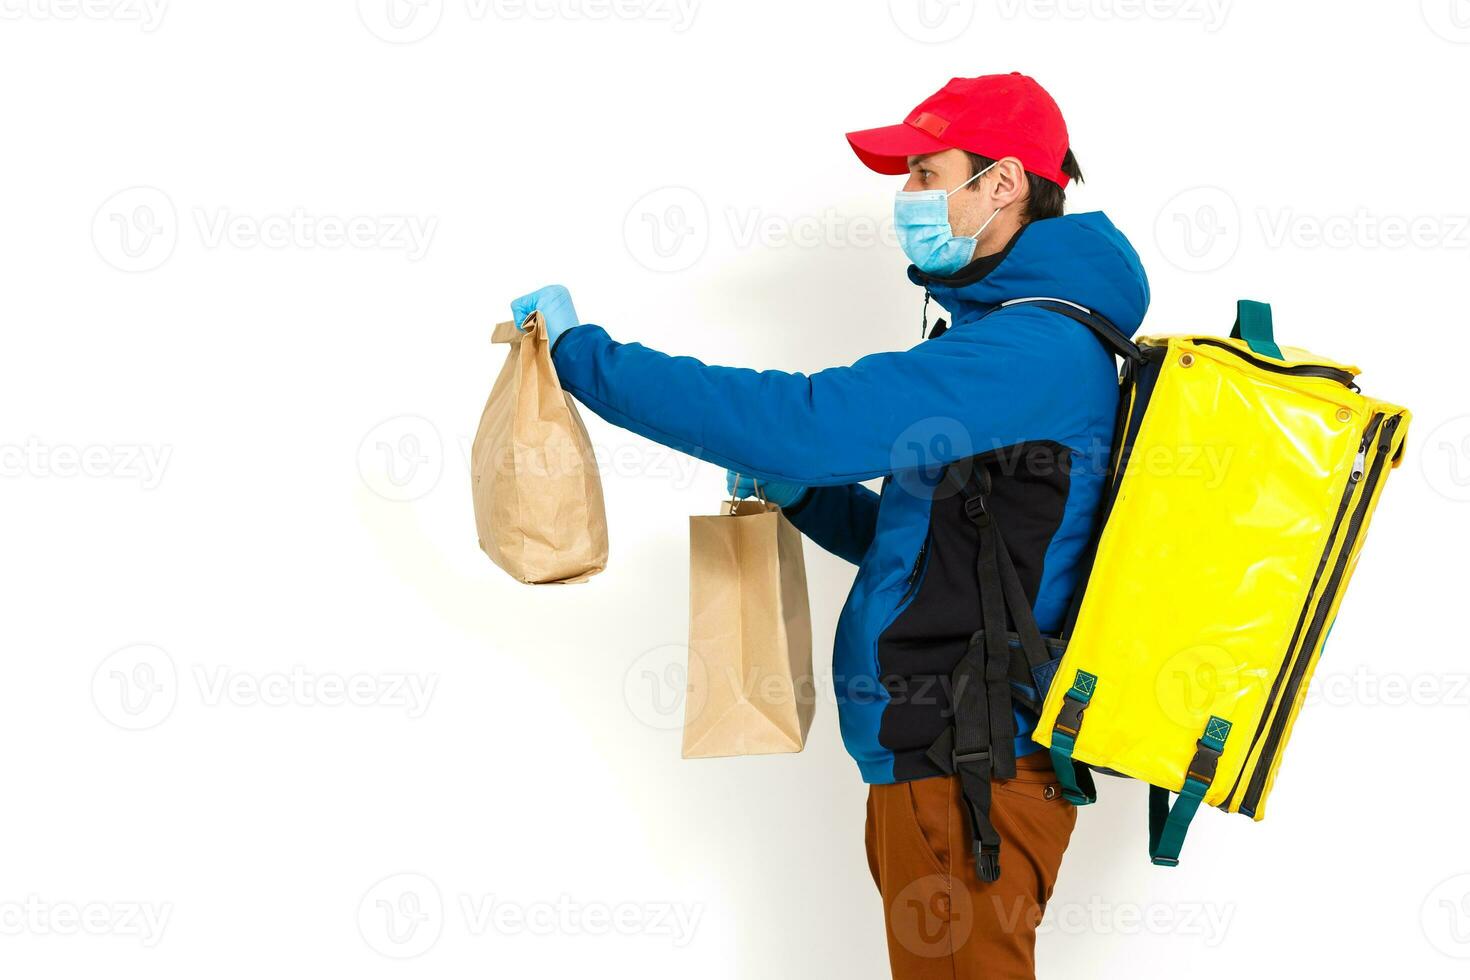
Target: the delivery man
(1017, 397)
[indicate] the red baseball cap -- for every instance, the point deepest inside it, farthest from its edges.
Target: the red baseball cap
(992, 115)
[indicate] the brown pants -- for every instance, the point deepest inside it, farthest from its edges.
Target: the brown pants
(942, 920)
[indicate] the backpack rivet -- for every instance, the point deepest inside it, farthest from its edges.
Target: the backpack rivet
(1343, 415)
(1186, 360)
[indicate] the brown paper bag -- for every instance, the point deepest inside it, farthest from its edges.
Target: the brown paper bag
(538, 495)
(750, 687)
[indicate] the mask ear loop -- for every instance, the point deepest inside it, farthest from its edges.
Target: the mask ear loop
(981, 230)
(973, 178)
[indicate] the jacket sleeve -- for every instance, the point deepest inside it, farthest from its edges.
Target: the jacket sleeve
(975, 388)
(840, 519)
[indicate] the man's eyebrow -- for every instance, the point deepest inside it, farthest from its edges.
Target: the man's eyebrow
(914, 161)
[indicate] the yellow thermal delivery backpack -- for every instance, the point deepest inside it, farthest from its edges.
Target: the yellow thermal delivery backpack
(1243, 479)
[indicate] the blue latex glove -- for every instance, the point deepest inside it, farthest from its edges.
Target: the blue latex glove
(555, 304)
(781, 494)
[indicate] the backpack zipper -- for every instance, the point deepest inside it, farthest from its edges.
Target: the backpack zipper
(1342, 508)
(1300, 370)
(1384, 430)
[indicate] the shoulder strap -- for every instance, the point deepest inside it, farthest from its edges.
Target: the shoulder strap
(980, 745)
(996, 572)
(1111, 337)
(1117, 343)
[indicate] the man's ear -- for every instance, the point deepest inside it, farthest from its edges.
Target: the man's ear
(1010, 184)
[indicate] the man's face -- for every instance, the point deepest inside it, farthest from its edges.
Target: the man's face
(973, 206)
(944, 171)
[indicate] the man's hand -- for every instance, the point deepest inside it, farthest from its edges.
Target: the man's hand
(781, 494)
(555, 305)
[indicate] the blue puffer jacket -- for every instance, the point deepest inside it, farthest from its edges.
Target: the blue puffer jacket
(1031, 391)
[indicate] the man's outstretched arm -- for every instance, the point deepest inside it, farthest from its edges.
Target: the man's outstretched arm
(977, 388)
(943, 400)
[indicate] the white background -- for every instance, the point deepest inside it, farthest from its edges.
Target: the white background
(235, 480)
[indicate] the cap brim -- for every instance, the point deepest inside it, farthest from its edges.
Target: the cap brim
(887, 148)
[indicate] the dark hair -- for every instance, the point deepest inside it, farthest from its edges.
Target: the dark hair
(1044, 199)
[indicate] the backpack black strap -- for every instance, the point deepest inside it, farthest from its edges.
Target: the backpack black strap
(1029, 674)
(980, 746)
(1115, 340)
(1116, 343)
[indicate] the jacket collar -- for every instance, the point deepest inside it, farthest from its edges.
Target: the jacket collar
(954, 292)
(1081, 258)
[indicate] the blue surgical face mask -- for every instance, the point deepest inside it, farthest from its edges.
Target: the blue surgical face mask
(921, 219)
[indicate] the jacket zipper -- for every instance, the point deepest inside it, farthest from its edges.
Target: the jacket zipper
(1384, 429)
(914, 573)
(1300, 370)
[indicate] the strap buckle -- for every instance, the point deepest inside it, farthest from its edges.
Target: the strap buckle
(957, 759)
(987, 861)
(959, 476)
(1206, 760)
(1069, 718)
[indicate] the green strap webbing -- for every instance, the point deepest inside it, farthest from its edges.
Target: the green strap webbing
(1253, 325)
(1168, 825)
(1076, 779)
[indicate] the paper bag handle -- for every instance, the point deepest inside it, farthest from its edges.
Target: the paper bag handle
(735, 501)
(506, 332)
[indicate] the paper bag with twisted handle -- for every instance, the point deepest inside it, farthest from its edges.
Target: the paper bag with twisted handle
(538, 495)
